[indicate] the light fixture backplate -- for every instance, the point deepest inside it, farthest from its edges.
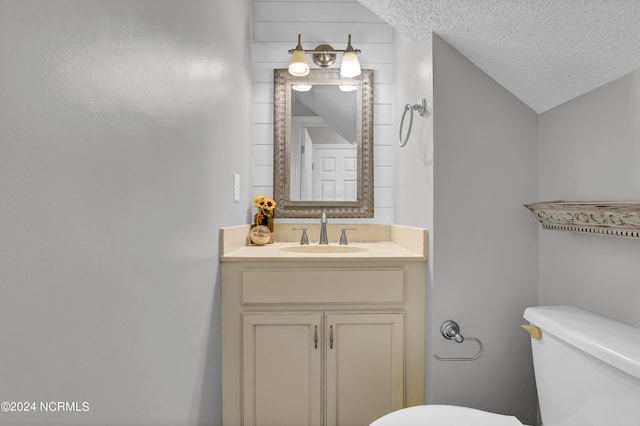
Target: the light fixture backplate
(323, 56)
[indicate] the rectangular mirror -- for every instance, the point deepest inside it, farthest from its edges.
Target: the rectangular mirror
(323, 144)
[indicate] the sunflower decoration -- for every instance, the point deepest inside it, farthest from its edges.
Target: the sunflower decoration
(266, 210)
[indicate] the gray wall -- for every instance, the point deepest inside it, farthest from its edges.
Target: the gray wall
(464, 174)
(121, 124)
(485, 258)
(590, 151)
(413, 163)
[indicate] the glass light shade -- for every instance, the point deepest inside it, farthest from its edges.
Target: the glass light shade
(299, 66)
(350, 65)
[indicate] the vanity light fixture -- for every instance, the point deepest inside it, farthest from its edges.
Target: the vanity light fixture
(324, 55)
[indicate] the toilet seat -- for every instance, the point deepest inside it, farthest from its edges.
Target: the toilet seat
(444, 415)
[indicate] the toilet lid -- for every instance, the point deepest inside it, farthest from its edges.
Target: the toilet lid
(444, 415)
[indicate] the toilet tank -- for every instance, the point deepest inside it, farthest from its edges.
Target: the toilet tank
(587, 368)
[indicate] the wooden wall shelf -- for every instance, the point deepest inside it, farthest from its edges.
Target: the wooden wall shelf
(620, 219)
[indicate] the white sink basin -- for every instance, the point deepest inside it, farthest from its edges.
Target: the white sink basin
(323, 249)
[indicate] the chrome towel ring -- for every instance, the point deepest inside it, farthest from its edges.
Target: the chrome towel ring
(421, 108)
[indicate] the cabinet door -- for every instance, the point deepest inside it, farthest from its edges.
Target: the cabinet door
(282, 369)
(365, 367)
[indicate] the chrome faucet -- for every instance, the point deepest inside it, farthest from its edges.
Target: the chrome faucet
(323, 229)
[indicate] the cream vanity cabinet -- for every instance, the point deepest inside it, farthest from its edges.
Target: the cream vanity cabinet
(287, 357)
(321, 340)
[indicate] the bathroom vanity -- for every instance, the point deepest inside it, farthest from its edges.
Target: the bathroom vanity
(322, 335)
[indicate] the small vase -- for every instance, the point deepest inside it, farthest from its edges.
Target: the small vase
(266, 220)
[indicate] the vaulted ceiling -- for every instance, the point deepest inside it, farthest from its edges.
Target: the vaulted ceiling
(545, 52)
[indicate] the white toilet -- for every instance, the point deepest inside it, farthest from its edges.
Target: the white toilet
(587, 373)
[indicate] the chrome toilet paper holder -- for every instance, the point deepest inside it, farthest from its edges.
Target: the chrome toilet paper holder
(450, 330)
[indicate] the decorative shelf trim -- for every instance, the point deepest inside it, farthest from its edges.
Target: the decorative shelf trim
(619, 219)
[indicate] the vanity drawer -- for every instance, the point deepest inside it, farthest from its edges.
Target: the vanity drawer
(323, 286)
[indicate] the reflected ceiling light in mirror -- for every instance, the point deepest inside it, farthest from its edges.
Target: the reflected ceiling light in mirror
(301, 87)
(324, 55)
(348, 87)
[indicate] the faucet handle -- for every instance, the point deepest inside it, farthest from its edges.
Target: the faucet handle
(304, 240)
(343, 236)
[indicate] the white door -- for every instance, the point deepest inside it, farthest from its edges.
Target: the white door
(335, 172)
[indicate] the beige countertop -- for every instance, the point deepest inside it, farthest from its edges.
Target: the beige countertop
(374, 242)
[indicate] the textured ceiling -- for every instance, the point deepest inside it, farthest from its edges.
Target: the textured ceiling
(544, 52)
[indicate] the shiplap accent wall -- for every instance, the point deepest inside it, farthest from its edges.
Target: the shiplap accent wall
(276, 28)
